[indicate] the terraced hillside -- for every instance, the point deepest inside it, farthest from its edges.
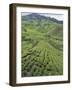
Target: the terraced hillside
(41, 46)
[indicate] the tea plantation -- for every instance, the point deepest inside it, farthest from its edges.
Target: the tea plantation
(41, 46)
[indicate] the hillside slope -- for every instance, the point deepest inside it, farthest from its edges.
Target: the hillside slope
(42, 46)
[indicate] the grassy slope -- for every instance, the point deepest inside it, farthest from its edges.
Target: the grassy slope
(42, 48)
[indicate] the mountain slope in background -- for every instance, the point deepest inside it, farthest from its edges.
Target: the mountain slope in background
(33, 16)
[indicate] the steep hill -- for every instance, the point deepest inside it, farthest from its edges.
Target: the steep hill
(36, 16)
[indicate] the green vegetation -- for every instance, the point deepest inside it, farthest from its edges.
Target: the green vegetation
(41, 47)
